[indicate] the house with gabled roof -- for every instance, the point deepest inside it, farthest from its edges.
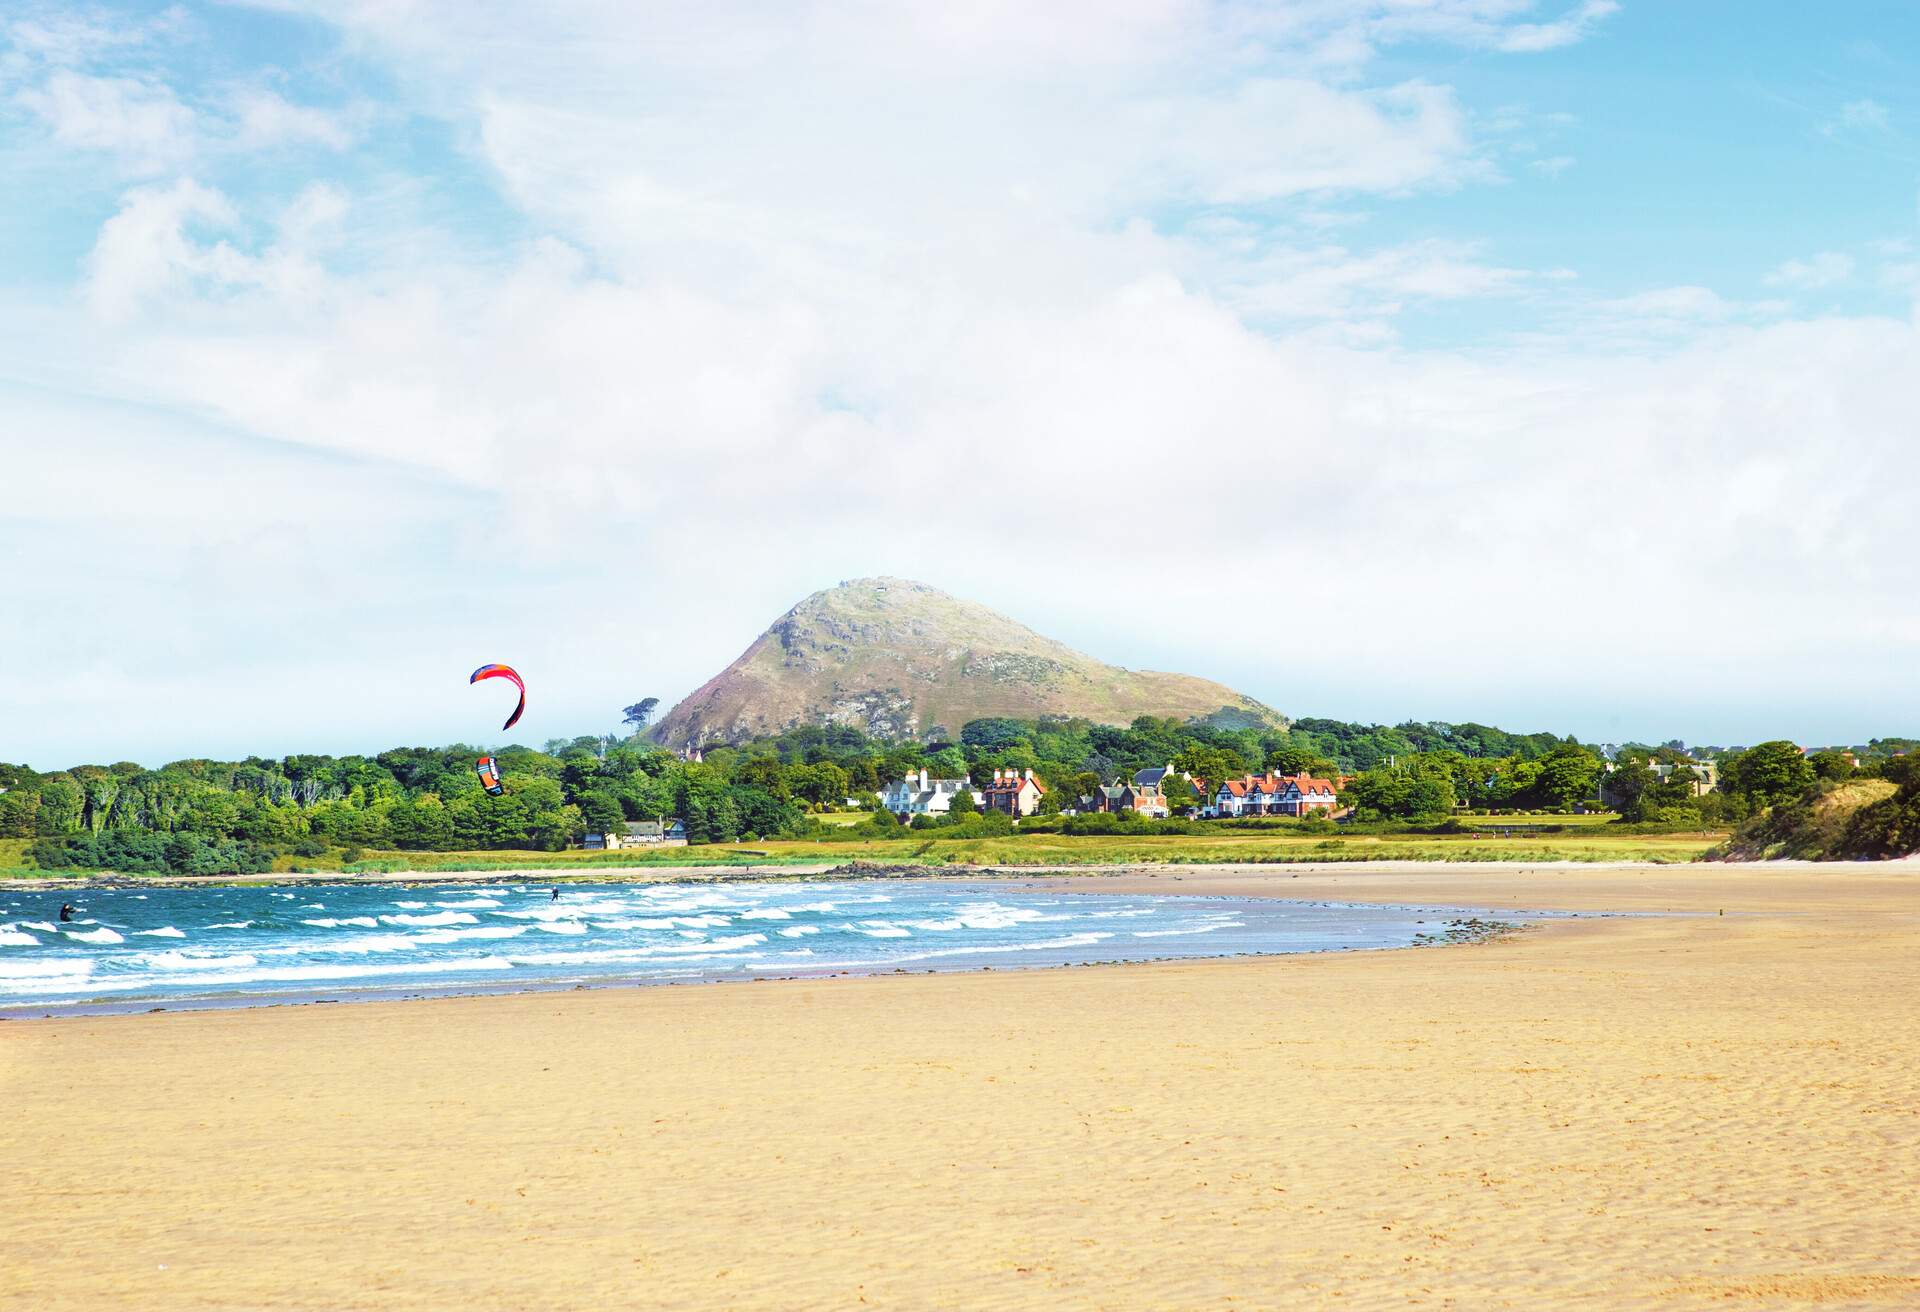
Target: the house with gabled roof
(1271, 794)
(1014, 792)
(919, 795)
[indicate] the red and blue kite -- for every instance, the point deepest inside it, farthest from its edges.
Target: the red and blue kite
(504, 672)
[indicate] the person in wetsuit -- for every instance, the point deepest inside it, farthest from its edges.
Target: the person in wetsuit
(556, 895)
(66, 911)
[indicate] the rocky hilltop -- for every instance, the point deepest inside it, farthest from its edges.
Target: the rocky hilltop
(899, 659)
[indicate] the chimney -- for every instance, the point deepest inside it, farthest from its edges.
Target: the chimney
(1029, 774)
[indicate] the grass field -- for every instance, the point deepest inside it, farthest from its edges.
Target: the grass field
(1065, 850)
(1557, 818)
(1591, 843)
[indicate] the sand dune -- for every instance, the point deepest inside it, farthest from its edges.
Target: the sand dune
(1700, 1111)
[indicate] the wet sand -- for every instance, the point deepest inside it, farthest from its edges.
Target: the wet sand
(1697, 1110)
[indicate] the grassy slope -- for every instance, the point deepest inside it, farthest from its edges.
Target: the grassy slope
(1811, 832)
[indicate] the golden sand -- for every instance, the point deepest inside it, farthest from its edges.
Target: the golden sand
(1708, 1111)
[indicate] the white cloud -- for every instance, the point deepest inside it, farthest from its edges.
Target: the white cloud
(139, 120)
(263, 118)
(105, 86)
(63, 35)
(1863, 116)
(1530, 37)
(1823, 270)
(816, 293)
(1489, 23)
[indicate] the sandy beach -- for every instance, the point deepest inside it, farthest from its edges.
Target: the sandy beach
(1710, 1109)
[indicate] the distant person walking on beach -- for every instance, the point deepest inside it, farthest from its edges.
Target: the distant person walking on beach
(66, 911)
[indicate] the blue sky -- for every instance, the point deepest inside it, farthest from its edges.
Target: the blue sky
(1548, 364)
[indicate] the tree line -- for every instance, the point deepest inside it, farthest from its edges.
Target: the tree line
(206, 816)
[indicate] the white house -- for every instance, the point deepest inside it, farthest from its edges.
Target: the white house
(638, 833)
(919, 795)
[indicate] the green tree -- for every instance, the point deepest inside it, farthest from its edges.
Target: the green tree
(963, 804)
(1300, 760)
(994, 733)
(1768, 773)
(62, 807)
(601, 813)
(948, 763)
(1568, 774)
(19, 813)
(1831, 764)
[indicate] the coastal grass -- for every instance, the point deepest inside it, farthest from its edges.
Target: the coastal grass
(1560, 842)
(13, 860)
(925, 849)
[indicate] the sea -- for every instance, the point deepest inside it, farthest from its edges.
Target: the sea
(129, 949)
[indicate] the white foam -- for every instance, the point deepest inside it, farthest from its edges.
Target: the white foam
(231, 924)
(1188, 929)
(633, 924)
(681, 953)
(561, 927)
(313, 906)
(879, 929)
(363, 922)
(190, 960)
(540, 913)
(1053, 944)
(17, 938)
(766, 913)
(478, 931)
(568, 907)
(311, 972)
(101, 935)
(367, 943)
(799, 930)
(476, 902)
(410, 906)
(44, 925)
(167, 931)
(65, 967)
(437, 918)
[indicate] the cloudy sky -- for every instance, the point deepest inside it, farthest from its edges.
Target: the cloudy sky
(1548, 364)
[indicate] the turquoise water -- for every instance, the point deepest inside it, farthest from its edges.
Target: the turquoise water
(130, 949)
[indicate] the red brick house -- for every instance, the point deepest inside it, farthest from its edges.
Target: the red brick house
(1015, 792)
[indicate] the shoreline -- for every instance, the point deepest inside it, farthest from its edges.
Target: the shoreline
(1455, 925)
